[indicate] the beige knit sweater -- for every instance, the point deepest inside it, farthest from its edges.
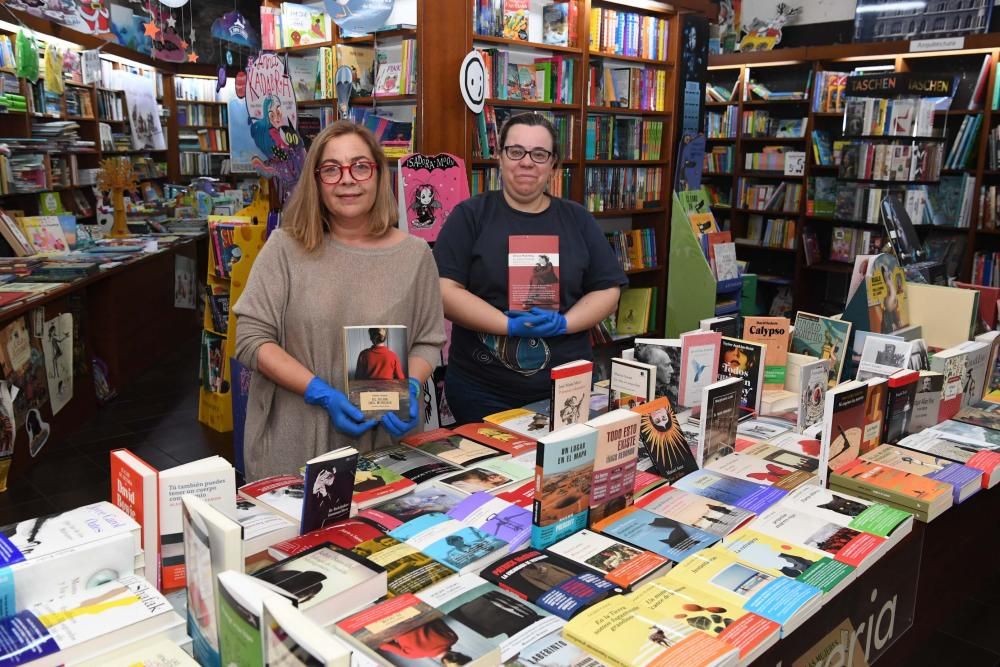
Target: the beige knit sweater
(301, 301)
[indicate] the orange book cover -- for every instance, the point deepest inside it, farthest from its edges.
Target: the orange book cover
(893, 481)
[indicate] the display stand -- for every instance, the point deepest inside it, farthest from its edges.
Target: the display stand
(692, 290)
(215, 408)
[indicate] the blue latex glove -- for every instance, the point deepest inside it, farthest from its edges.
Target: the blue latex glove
(346, 417)
(536, 323)
(396, 426)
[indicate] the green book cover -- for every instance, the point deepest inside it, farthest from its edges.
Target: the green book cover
(633, 311)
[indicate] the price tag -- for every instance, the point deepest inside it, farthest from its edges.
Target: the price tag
(795, 163)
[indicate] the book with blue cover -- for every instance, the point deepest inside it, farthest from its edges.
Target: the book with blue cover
(449, 541)
(564, 462)
(659, 534)
(737, 492)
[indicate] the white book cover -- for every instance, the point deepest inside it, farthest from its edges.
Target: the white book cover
(47, 535)
(292, 639)
(632, 383)
(844, 544)
(712, 516)
(570, 395)
(813, 382)
(976, 366)
(619, 563)
(726, 267)
(771, 471)
(699, 365)
(491, 612)
(883, 356)
(830, 506)
(157, 653)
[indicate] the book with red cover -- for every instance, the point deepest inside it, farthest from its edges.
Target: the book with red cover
(345, 534)
(496, 437)
(134, 486)
(533, 272)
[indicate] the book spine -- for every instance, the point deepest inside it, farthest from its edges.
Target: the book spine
(870, 490)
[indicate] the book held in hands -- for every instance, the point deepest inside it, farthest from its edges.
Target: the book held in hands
(376, 367)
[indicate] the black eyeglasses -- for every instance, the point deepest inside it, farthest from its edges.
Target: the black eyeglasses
(515, 152)
(331, 174)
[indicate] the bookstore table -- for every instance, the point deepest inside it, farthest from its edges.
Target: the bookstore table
(914, 590)
(127, 320)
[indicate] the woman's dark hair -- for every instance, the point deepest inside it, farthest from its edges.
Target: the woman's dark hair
(534, 119)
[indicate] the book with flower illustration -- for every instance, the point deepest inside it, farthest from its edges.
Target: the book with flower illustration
(376, 369)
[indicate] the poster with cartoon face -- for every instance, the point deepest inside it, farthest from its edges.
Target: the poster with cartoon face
(430, 186)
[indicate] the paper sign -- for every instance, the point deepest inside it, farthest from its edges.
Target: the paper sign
(943, 44)
(795, 163)
(472, 81)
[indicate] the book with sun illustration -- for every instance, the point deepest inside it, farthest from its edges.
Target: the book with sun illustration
(664, 442)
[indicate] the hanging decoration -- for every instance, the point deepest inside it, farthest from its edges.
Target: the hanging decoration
(167, 43)
(765, 35)
(359, 17)
(233, 27)
(174, 4)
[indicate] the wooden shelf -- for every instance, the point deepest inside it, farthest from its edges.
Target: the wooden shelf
(767, 103)
(631, 59)
(380, 35)
(531, 104)
(526, 45)
(773, 214)
(768, 248)
(138, 152)
(624, 212)
(721, 139)
(647, 269)
(610, 163)
(304, 47)
(831, 267)
(756, 173)
(775, 140)
(716, 105)
(958, 112)
(717, 174)
(623, 110)
(828, 114)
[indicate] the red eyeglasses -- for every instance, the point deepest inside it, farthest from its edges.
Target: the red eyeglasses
(331, 173)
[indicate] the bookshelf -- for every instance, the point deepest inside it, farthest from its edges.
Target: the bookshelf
(821, 286)
(617, 148)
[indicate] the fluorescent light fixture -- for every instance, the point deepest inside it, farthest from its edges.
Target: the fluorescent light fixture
(901, 6)
(40, 36)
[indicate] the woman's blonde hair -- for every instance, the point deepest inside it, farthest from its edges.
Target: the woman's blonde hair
(305, 217)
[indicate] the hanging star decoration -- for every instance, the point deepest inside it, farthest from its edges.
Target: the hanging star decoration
(192, 57)
(151, 29)
(172, 22)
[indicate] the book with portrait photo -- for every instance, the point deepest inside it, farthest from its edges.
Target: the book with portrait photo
(395, 471)
(564, 463)
(663, 441)
(328, 582)
(490, 476)
(329, 486)
(664, 354)
(744, 360)
(632, 383)
(376, 367)
(395, 512)
(445, 444)
(533, 272)
(570, 395)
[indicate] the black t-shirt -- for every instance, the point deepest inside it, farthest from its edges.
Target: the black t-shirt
(472, 250)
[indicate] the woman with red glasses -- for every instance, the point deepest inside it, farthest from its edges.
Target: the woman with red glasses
(337, 260)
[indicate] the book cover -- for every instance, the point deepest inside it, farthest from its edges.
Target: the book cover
(964, 480)
(450, 542)
(387, 79)
(376, 369)
(430, 188)
(764, 464)
(848, 511)
(515, 19)
(133, 490)
(291, 639)
(663, 441)
(395, 512)
(875, 414)
(213, 543)
(281, 494)
(564, 464)
(407, 569)
(845, 545)
(45, 234)
(495, 516)
(394, 631)
(330, 482)
(744, 360)
(533, 272)
(843, 426)
(302, 25)
(780, 559)
(900, 397)
(823, 338)
(555, 20)
(712, 516)
(736, 492)
(774, 597)
(619, 632)
(521, 420)
(665, 356)
(659, 534)
(632, 317)
(493, 436)
(813, 382)
(621, 564)
(445, 444)
(699, 365)
(490, 476)
(570, 396)
(921, 495)
(772, 332)
(615, 457)
(632, 383)
(394, 471)
(361, 61)
(719, 415)
(491, 612)
(556, 584)
(241, 600)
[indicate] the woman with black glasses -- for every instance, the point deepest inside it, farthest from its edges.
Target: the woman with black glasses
(500, 358)
(337, 260)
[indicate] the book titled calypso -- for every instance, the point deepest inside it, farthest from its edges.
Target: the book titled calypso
(375, 363)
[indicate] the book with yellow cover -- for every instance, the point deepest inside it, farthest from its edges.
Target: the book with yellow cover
(719, 573)
(622, 633)
(781, 558)
(633, 311)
